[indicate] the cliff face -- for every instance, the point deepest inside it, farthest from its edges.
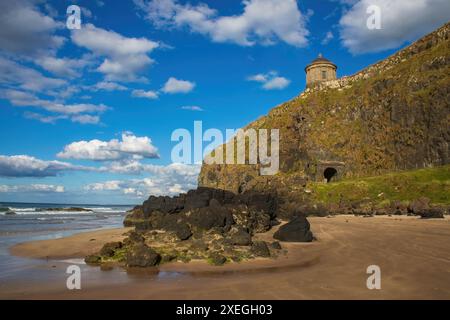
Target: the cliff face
(393, 115)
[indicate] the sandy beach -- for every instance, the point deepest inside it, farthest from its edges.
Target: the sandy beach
(413, 255)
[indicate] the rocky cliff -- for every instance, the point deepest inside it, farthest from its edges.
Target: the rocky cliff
(391, 116)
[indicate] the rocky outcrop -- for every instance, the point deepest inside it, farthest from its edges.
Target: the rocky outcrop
(297, 230)
(205, 223)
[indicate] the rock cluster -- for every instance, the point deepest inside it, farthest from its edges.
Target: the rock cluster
(205, 223)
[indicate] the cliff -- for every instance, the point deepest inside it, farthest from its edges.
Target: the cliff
(391, 116)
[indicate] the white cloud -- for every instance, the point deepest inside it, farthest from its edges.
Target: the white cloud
(24, 30)
(328, 37)
(262, 21)
(129, 146)
(35, 188)
(124, 58)
(401, 21)
(174, 85)
(108, 86)
(164, 180)
(62, 67)
(44, 118)
(86, 119)
(270, 80)
(14, 74)
(25, 99)
(192, 108)
(145, 94)
(26, 166)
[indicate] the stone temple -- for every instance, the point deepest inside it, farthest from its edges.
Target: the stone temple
(320, 70)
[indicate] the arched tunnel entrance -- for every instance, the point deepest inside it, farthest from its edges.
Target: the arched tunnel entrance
(329, 174)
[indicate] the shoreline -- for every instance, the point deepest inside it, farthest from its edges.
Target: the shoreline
(411, 252)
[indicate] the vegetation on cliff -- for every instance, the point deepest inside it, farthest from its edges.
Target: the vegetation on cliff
(392, 116)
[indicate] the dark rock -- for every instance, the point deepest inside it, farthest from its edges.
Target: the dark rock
(217, 259)
(163, 204)
(92, 259)
(109, 248)
(432, 213)
(260, 249)
(142, 256)
(10, 213)
(134, 237)
(419, 205)
(276, 245)
(297, 230)
(241, 238)
(182, 231)
(211, 217)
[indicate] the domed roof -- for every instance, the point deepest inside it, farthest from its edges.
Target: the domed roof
(320, 59)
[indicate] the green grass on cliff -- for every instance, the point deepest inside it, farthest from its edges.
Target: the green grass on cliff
(433, 183)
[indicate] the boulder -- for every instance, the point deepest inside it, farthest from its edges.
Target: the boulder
(109, 248)
(419, 205)
(240, 238)
(432, 213)
(134, 237)
(297, 230)
(260, 249)
(140, 255)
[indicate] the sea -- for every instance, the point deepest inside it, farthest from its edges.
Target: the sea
(41, 221)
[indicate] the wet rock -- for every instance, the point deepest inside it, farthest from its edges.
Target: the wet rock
(297, 230)
(134, 237)
(10, 213)
(260, 249)
(109, 249)
(142, 256)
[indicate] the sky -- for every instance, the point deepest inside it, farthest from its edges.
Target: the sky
(87, 115)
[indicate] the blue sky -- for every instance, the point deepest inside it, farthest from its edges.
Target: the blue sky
(86, 115)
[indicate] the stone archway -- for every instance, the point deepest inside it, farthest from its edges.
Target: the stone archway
(330, 173)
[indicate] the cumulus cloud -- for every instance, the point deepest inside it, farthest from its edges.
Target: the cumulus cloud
(164, 180)
(124, 58)
(145, 94)
(34, 188)
(270, 80)
(401, 21)
(262, 21)
(129, 146)
(27, 166)
(174, 85)
(24, 30)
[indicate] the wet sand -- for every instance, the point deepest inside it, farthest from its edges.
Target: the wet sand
(413, 254)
